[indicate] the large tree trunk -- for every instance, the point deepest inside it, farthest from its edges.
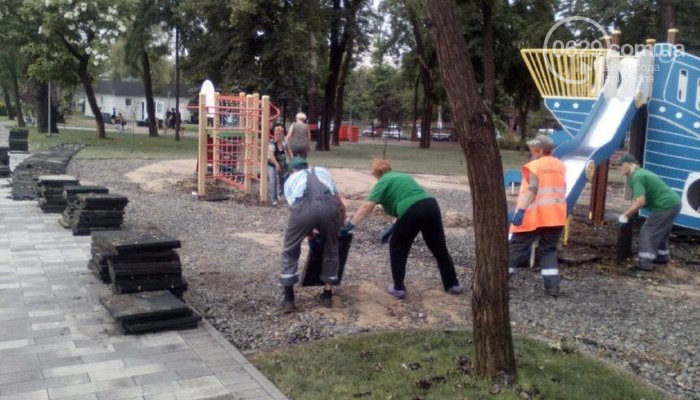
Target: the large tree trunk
(338, 45)
(336, 56)
(340, 92)
(667, 15)
(41, 94)
(18, 101)
(90, 94)
(426, 77)
(8, 102)
(489, 62)
(148, 88)
(414, 134)
(492, 333)
(523, 111)
(312, 116)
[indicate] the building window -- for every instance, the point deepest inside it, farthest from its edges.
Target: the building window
(128, 102)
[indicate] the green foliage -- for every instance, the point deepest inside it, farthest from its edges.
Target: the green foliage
(71, 30)
(247, 45)
(385, 83)
(438, 365)
(637, 19)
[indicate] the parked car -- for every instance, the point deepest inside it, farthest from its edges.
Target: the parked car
(392, 131)
(442, 135)
(367, 132)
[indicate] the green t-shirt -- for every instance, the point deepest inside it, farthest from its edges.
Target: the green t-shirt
(396, 192)
(659, 196)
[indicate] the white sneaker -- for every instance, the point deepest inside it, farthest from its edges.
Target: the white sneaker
(274, 202)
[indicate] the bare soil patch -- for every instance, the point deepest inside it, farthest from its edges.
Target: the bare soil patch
(646, 323)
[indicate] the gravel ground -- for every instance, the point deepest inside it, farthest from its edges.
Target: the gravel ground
(647, 324)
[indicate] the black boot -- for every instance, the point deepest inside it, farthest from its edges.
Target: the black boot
(551, 285)
(288, 305)
(326, 298)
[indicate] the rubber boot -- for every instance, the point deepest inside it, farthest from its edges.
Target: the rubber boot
(551, 285)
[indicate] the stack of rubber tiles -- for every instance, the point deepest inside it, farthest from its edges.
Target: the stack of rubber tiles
(50, 190)
(18, 140)
(137, 261)
(4, 162)
(150, 311)
(90, 212)
(69, 194)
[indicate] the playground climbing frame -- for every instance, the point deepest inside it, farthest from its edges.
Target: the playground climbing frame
(233, 140)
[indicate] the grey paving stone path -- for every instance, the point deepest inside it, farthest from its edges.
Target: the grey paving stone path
(58, 342)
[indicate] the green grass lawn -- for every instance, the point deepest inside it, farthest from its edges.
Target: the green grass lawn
(116, 145)
(441, 159)
(438, 365)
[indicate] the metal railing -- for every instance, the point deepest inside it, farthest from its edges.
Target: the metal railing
(567, 72)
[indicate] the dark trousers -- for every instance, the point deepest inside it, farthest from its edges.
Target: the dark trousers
(654, 236)
(547, 237)
(424, 217)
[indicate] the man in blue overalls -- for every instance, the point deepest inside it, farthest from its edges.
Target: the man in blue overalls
(315, 204)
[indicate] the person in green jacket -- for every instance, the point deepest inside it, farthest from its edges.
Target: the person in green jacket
(416, 211)
(663, 204)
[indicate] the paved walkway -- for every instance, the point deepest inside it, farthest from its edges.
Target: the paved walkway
(58, 342)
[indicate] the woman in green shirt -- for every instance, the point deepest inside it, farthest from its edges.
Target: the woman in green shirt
(416, 211)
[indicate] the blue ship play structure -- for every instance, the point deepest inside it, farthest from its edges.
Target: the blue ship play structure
(595, 95)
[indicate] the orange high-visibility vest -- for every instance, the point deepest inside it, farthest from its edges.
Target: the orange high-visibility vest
(549, 206)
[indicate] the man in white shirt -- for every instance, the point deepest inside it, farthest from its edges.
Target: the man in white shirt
(315, 205)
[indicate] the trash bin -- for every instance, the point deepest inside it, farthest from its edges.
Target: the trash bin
(343, 134)
(354, 133)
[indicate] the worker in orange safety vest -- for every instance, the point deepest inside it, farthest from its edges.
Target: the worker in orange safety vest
(540, 212)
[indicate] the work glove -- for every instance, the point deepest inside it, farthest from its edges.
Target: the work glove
(347, 227)
(623, 219)
(386, 234)
(518, 217)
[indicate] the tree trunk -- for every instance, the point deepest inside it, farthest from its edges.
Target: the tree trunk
(426, 119)
(667, 16)
(426, 77)
(523, 111)
(18, 101)
(8, 102)
(148, 88)
(338, 45)
(336, 56)
(90, 94)
(489, 63)
(340, 92)
(492, 332)
(312, 116)
(177, 84)
(414, 133)
(41, 94)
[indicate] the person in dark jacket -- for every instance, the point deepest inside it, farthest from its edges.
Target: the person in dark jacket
(315, 205)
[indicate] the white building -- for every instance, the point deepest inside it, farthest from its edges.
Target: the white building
(129, 98)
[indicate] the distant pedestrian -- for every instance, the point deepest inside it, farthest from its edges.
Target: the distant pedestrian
(167, 121)
(299, 137)
(416, 211)
(276, 164)
(663, 204)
